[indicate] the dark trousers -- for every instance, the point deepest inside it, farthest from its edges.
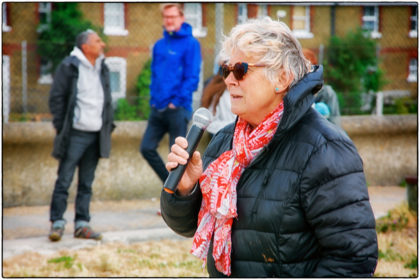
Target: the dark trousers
(82, 152)
(172, 121)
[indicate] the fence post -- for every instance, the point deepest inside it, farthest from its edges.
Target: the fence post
(24, 78)
(379, 103)
(219, 27)
(321, 54)
(6, 87)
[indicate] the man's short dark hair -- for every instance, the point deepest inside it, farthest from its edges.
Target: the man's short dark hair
(83, 37)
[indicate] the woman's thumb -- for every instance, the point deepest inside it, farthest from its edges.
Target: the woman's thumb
(196, 158)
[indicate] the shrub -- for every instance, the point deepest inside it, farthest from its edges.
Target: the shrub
(140, 110)
(143, 89)
(351, 69)
(125, 111)
(57, 40)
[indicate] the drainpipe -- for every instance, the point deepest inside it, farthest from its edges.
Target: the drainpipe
(24, 79)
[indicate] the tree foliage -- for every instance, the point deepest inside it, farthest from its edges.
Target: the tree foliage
(143, 89)
(141, 108)
(352, 69)
(57, 39)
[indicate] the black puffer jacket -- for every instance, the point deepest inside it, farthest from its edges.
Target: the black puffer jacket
(62, 101)
(303, 205)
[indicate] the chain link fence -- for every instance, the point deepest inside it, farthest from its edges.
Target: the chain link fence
(131, 29)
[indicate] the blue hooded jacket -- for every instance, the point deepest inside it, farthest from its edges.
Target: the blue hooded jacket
(175, 69)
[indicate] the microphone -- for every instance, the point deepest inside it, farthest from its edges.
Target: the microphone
(201, 119)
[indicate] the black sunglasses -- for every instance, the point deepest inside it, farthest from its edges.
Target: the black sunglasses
(239, 69)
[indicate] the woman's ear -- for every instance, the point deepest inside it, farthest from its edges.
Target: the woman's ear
(285, 79)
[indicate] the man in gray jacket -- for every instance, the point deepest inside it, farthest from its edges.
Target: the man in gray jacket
(80, 102)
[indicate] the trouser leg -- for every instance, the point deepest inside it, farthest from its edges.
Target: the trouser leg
(66, 168)
(156, 128)
(178, 120)
(87, 167)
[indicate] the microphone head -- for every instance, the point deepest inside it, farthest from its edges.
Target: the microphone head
(202, 118)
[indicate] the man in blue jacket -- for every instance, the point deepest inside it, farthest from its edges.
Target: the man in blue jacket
(175, 75)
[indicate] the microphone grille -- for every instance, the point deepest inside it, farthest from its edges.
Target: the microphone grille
(202, 118)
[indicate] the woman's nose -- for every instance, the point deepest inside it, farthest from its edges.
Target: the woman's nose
(230, 79)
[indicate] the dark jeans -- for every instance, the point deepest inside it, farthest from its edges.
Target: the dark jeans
(173, 121)
(82, 152)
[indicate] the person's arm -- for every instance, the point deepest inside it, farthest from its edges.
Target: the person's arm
(336, 203)
(191, 73)
(59, 94)
(180, 209)
(181, 212)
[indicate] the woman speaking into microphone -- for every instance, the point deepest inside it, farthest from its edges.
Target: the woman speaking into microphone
(280, 192)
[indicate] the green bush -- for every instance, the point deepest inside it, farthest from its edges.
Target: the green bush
(125, 111)
(351, 68)
(143, 89)
(140, 110)
(57, 40)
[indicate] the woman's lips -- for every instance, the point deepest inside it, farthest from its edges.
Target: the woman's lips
(235, 96)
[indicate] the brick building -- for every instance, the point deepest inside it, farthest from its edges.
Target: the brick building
(132, 28)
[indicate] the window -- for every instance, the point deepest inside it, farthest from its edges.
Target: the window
(262, 10)
(118, 72)
(242, 13)
(413, 22)
(45, 76)
(5, 19)
(6, 87)
(114, 23)
(302, 22)
(412, 70)
(370, 21)
(44, 12)
(194, 15)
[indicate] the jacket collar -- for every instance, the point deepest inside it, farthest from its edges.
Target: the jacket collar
(184, 31)
(300, 97)
(76, 52)
(297, 102)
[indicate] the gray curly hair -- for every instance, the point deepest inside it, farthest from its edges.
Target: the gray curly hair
(83, 37)
(271, 43)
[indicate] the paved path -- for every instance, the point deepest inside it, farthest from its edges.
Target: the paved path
(26, 228)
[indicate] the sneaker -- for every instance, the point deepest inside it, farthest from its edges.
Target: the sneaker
(56, 233)
(87, 233)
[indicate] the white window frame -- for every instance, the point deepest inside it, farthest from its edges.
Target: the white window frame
(5, 27)
(306, 32)
(412, 70)
(374, 34)
(44, 7)
(262, 11)
(6, 87)
(114, 12)
(118, 64)
(242, 13)
(193, 14)
(413, 32)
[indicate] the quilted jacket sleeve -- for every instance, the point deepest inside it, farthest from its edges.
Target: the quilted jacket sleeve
(181, 212)
(336, 203)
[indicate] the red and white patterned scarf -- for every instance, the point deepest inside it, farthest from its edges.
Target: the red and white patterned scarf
(218, 186)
